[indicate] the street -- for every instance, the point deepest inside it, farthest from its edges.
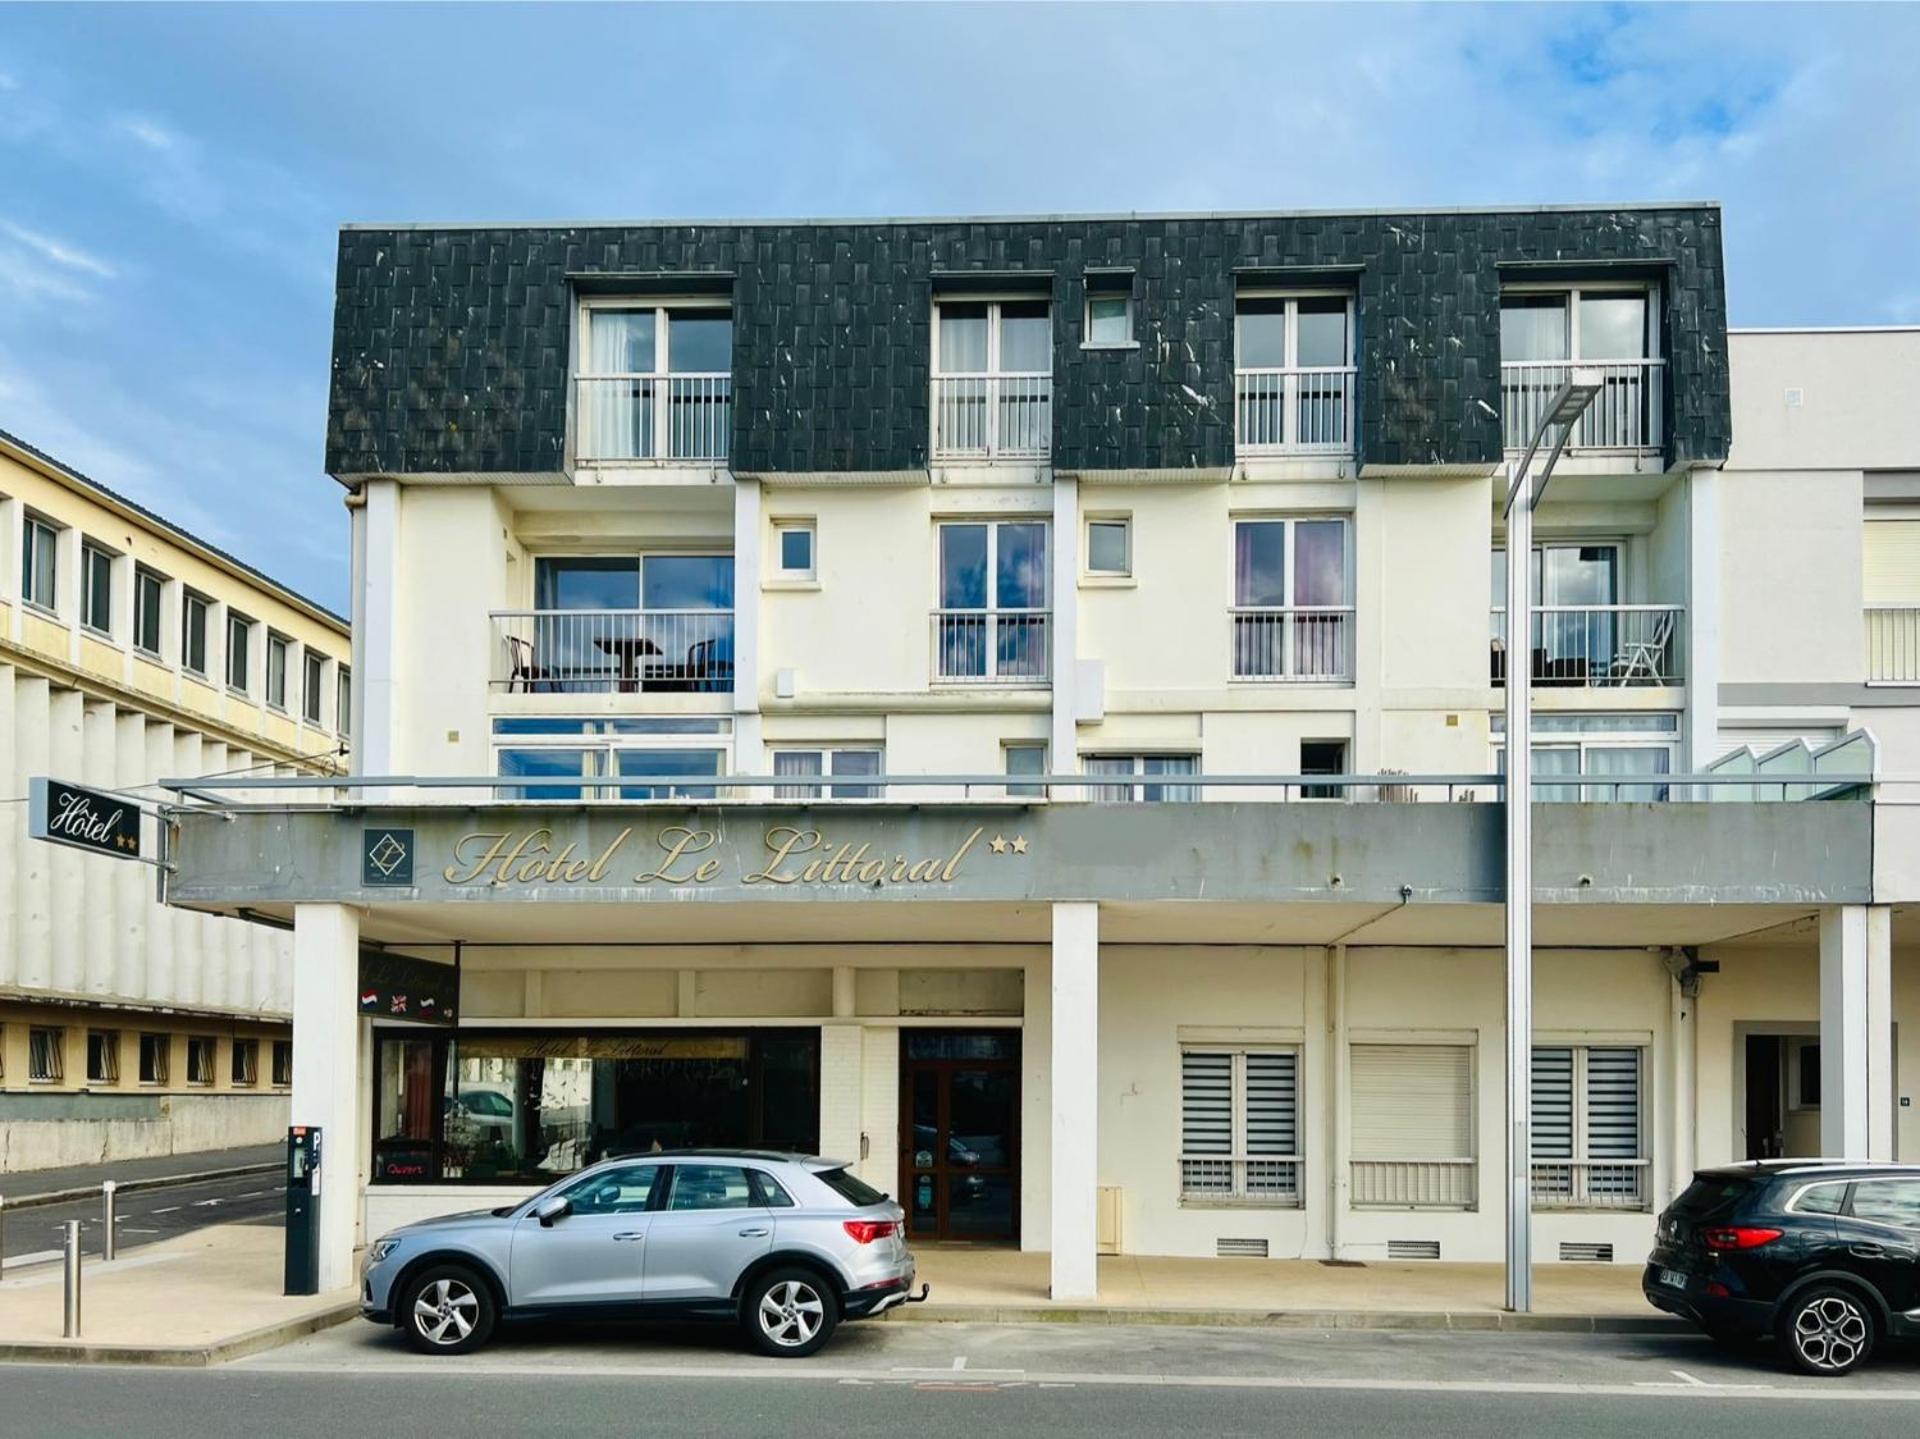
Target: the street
(147, 1215)
(894, 1377)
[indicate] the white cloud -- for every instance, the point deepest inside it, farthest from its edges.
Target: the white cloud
(69, 257)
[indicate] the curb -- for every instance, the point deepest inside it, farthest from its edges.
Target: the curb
(1464, 1321)
(178, 1356)
(134, 1186)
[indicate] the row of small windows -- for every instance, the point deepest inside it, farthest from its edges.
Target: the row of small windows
(47, 1058)
(40, 588)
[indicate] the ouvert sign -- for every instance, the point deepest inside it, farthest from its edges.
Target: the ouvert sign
(88, 819)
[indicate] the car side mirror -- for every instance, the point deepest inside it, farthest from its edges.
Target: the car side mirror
(553, 1207)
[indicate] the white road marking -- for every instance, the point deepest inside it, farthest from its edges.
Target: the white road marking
(207, 1203)
(1686, 1378)
(168, 1210)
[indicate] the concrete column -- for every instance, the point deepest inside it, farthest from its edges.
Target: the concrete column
(1856, 1032)
(1682, 1031)
(1076, 1098)
(1339, 1100)
(748, 534)
(1314, 1128)
(1701, 653)
(1063, 744)
(1036, 1104)
(13, 833)
(98, 877)
(880, 1108)
(326, 1062)
(377, 747)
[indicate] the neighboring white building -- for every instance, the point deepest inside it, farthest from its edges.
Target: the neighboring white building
(131, 651)
(645, 514)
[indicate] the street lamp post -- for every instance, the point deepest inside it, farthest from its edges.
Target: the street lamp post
(1524, 490)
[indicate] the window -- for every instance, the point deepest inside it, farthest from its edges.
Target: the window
(283, 1062)
(1893, 1202)
(1614, 328)
(1293, 374)
(245, 1068)
(313, 677)
(1109, 319)
(992, 622)
(1412, 1139)
(992, 379)
(149, 598)
(1110, 546)
(40, 564)
(155, 1051)
(103, 1056)
(767, 1191)
(1292, 613)
(1323, 756)
(626, 1190)
(709, 1186)
(1581, 633)
(838, 763)
(1588, 1143)
(1806, 1074)
(278, 647)
(1147, 765)
(193, 632)
(794, 559)
(566, 749)
(659, 623)
(199, 1059)
(46, 1055)
(1600, 746)
(655, 382)
(1239, 1124)
(1819, 1199)
(96, 589)
(239, 636)
(851, 1187)
(1023, 759)
(343, 703)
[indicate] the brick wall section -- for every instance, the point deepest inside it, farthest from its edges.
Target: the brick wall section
(450, 347)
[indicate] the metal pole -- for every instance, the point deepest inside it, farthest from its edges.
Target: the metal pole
(107, 1187)
(71, 1328)
(3, 1231)
(1519, 888)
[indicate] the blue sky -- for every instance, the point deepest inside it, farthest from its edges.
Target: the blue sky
(171, 178)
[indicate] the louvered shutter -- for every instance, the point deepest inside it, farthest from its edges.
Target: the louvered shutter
(1890, 571)
(1552, 1103)
(1206, 1121)
(1272, 1122)
(1412, 1101)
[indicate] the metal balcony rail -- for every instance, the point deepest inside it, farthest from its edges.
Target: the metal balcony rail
(1625, 415)
(1893, 644)
(992, 416)
(992, 647)
(654, 417)
(1212, 1176)
(1293, 643)
(1597, 646)
(1608, 1184)
(1301, 411)
(1414, 1183)
(613, 651)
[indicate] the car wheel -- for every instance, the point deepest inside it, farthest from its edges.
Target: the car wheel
(789, 1313)
(447, 1309)
(1827, 1331)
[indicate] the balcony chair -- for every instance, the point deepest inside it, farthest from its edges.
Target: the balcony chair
(522, 671)
(1643, 659)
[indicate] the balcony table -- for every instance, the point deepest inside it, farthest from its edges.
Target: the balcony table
(628, 649)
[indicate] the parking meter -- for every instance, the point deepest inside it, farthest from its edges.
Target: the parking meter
(303, 1210)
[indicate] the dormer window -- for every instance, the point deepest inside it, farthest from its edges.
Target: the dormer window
(654, 383)
(1546, 332)
(992, 379)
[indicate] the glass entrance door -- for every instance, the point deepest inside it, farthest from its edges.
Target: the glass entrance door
(960, 1131)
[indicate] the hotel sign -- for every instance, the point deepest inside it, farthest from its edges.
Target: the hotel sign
(88, 819)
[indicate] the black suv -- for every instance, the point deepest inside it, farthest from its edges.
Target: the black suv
(1823, 1256)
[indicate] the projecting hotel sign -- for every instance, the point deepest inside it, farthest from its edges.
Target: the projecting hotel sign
(88, 819)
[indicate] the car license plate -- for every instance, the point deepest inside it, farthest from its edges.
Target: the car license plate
(1673, 1278)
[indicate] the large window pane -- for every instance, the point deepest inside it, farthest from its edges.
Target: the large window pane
(1026, 338)
(403, 1117)
(694, 762)
(1533, 327)
(1260, 563)
(963, 567)
(1021, 568)
(1551, 759)
(1169, 764)
(855, 762)
(1319, 562)
(587, 582)
(1322, 325)
(543, 763)
(687, 582)
(963, 339)
(700, 342)
(620, 342)
(1261, 327)
(1613, 327)
(796, 763)
(1627, 760)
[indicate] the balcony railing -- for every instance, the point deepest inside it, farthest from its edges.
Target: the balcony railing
(1625, 415)
(992, 647)
(1293, 412)
(1596, 646)
(613, 651)
(1293, 644)
(1215, 1178)
(1414, 1183)
(992, 417)
(654, 417)
(1893, 644)
(1614, 1184)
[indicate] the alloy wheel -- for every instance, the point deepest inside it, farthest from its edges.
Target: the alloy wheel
(791, 1313)
(444, 1312)
(1831, 1333)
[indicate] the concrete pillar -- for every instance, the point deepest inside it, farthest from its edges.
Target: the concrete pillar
(1682, 1030)
(748, 534)
(1036, 1103)
(880, 1108)
(1076, 1099)
(326, 1062)
(1339, 1101)
(1701, 653)
(1856, 1032)
(377, 749)
(1063, 742)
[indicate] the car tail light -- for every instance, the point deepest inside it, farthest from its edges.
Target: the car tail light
(1739, 1236)
(865, 1231)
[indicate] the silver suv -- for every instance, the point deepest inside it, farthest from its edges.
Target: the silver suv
(786, 1245)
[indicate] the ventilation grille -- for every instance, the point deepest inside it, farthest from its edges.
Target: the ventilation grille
(1240, 1248)
(1586, 1253)
(1413, 1249)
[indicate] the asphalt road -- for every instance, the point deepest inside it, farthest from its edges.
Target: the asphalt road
(938, 1379)
(148, 1215)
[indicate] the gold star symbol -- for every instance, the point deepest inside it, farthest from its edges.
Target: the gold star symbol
(1019, 844)
(997, 845)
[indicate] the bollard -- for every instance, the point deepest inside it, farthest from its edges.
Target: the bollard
(71, 1329)
(107, 1187)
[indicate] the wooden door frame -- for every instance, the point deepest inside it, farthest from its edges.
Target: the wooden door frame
(947, 1067)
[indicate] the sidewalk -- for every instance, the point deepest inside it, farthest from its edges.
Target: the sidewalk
(201, 1298)
(52, 1186)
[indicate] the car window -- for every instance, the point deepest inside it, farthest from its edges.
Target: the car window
(855, 1191)
(626, 1190)
(767, 1191)
(1820, 1199)
(485, 1101)
(1888, 1201)
(710, 1186)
